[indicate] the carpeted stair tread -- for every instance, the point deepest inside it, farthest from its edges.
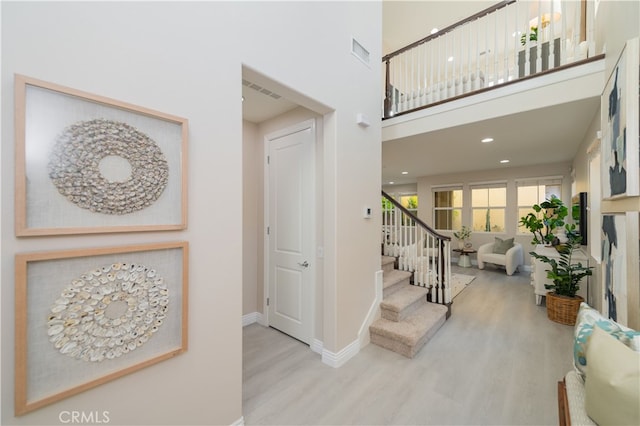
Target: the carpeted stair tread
(403, 302)
(388, 263)
(393, 280)
(415, 330)
(394, 277)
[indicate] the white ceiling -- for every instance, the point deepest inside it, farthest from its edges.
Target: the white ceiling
(518, 137)
(542, 136)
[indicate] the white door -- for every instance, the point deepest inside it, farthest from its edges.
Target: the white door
(291, 228)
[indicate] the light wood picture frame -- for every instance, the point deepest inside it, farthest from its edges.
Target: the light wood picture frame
(620, 133)
(88, 316)
(88, 164)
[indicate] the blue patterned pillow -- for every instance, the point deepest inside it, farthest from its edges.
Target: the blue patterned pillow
(587, 318)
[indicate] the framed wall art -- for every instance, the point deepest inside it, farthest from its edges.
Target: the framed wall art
(89, 164)
(620, 116)
(620, 271)
(86, 317)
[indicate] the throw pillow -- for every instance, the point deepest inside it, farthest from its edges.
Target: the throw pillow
(613, 382)
(501, 246)
(586, 320)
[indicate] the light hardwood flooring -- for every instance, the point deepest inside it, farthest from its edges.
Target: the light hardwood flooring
(496, 361)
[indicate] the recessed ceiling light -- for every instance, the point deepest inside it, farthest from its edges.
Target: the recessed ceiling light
(487, 140)
(504, 161)
(405, 173)
(391, 183)
(434, 30)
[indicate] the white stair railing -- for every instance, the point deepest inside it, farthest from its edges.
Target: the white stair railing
(510, 40)
(419, 249)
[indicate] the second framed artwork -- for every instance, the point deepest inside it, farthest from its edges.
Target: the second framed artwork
(85, 317)
(88, 164)
(620, 271)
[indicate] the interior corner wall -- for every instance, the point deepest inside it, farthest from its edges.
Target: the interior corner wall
(185, 58)
(616, 22)
(251, 213)
(581, 168)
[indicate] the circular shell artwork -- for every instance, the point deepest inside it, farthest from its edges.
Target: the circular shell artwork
(108, 312)
(76, 167)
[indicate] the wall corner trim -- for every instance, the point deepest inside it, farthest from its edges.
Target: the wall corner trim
(338, 359)
(316, 346)
(249, 319)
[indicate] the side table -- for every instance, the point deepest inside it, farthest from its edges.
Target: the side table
(464, 260)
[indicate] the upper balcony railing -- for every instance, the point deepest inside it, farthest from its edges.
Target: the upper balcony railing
(495, 46)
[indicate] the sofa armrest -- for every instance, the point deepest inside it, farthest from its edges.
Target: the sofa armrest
(514, 258)
(485, 248)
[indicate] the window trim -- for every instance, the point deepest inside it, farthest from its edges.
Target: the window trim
(434, 209)
(490, 185)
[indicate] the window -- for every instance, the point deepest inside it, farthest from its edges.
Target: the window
(447, 208)
(488, 207)
(410, 202)
(532, 192)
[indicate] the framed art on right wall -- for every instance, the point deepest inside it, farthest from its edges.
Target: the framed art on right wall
(620, 271)
(619, 109)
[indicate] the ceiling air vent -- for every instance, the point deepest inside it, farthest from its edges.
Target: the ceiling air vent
(359, 51)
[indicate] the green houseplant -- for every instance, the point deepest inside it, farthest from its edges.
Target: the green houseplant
(563, 302)
(463, 236)
(533, 36)
(542, 225)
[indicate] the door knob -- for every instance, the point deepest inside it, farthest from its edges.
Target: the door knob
(304, 264)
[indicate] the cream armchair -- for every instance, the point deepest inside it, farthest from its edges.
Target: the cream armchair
(511, 260)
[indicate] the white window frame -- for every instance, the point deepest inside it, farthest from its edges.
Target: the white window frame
(487, 186)
(434, 189)
(546, 181)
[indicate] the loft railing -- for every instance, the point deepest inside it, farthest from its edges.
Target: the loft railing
(500, 44)
(419, 249)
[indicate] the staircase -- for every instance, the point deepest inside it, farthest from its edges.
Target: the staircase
(408, 320)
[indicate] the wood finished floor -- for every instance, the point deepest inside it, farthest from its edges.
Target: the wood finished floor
(496, 361)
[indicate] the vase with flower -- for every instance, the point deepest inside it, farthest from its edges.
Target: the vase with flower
(463, 236)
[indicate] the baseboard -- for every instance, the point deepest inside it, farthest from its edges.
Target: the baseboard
(251, 318)
(337, 360)
(316, 346)
(374, 311)
(239, 422)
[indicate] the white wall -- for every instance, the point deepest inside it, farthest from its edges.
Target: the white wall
(186, 59)
(251, 209)
(616, 22)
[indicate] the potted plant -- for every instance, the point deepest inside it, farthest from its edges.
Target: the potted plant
(463, 236)
(563, 302)
(542, 226)
(533, 36)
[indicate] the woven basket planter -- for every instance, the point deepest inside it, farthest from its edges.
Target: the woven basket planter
(563, 309)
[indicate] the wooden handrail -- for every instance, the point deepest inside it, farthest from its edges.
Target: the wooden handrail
(480, 14)
(415, 218)
(505, 84)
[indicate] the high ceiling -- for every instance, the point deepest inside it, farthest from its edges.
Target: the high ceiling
(524, 138)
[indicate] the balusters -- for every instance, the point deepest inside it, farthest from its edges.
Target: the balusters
(422, 75)
(552, 36)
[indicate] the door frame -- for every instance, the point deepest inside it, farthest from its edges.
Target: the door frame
(290, 129)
